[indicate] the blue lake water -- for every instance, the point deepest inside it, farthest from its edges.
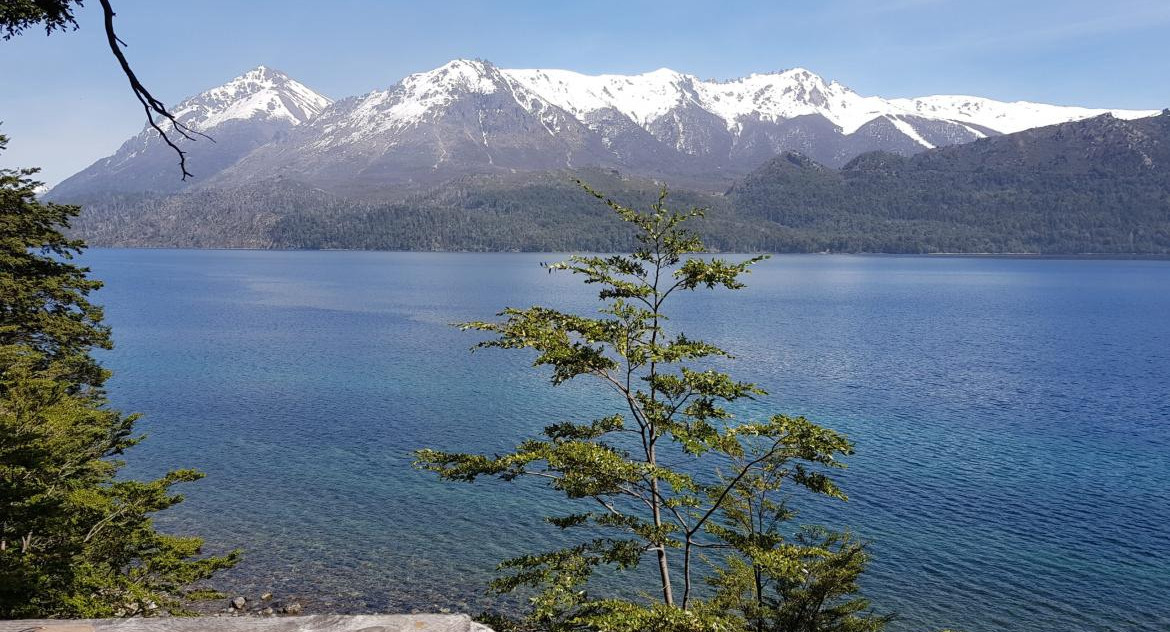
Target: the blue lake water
(1011, 417)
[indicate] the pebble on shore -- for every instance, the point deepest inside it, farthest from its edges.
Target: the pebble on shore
(238, 606)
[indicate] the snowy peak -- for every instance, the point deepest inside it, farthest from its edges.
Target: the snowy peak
(648, 96)
(425, 92)
(261, 93)
(785, 95)
(460, 75)
(644, 98)
(777, 96)
(414, 100)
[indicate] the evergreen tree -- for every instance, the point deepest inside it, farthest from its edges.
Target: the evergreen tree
(75, 541)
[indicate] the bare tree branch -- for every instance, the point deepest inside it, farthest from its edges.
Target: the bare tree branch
(152, 106)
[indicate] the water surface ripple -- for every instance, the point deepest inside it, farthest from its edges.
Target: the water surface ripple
(1012, 419)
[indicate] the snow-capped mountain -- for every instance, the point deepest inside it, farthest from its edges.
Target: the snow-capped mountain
(469, 117)
(241, 115)
(465, 117)
(259, 94)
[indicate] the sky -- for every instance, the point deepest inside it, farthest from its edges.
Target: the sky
(64, 103)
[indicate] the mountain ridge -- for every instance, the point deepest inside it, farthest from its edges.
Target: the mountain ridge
(468, 117)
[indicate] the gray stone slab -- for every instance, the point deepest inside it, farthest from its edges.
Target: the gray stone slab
(312, 623)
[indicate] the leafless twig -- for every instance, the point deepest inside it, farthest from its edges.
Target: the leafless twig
(150, 104)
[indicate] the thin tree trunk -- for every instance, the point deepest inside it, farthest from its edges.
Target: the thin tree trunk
(663, 565)
(759, 598)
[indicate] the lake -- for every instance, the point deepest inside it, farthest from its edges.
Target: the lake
(1011, 418)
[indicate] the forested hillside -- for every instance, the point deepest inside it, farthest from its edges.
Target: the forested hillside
(536, 212)
(1095, 186)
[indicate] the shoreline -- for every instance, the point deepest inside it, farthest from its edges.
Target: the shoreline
(1103, 256)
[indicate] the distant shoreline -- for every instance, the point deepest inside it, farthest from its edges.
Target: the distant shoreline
(1030, 255)
(939, 255)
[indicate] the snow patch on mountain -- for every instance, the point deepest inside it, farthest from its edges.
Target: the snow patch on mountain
(1006, 118)
(785, 95)
(428, 91)
(908, 129)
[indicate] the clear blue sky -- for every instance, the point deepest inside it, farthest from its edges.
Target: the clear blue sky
(65, 104)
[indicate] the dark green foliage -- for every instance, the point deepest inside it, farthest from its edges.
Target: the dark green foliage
(45, 296)
(531, 213)
(647, 474)
(805, 582)
(75, 541)
(53, 15)
(808, 585)
(823, 596)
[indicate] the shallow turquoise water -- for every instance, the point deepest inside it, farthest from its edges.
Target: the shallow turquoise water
(1012, 419)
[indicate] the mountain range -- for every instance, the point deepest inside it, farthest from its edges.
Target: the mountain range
(472, 157)
(469, 117)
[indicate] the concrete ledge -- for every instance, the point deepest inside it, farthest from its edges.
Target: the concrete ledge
(313, 623)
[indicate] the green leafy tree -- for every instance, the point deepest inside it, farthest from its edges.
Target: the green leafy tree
(646, 472)
(802, 582)
(74, 539)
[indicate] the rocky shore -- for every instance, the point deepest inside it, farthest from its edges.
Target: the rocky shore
(313, 623)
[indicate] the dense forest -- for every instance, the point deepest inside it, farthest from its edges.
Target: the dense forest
(531, 212)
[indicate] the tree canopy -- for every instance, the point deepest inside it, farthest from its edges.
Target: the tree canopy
(76, 540)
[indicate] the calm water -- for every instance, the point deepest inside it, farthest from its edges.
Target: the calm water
(1012, 419)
